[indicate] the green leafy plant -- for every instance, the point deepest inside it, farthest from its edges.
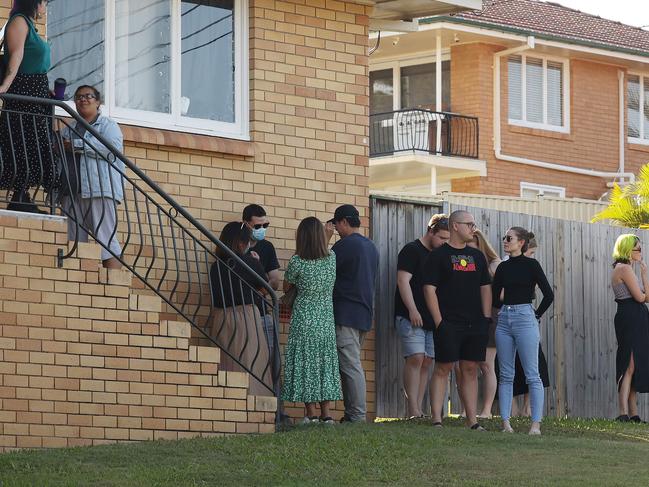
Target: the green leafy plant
(629, 206)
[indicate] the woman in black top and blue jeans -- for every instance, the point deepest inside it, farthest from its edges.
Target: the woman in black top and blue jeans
(518, 328)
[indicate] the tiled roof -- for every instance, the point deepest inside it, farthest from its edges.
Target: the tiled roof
(556, 20)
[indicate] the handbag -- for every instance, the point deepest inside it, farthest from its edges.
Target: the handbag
(288, 299)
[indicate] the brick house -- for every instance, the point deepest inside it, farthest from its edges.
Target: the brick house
(222, 103)
(543, 99)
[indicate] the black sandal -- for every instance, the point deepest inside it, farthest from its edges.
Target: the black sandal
(477, 427)
(623, 418)
(636, 419)
(437, 424)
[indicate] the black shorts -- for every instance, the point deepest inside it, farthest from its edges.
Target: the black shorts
(461, 341)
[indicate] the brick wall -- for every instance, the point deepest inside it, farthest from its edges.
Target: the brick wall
(309, 125)
(85, 361)
(592, 143)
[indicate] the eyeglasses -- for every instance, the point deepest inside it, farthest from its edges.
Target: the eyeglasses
(471, 225)
(260, 225)
(508, 238)
(85, 96)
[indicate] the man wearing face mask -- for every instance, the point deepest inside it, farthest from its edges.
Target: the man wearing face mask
(255, 217)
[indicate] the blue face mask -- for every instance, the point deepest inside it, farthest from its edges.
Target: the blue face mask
(259, 234)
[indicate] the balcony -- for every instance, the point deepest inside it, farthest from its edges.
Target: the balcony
(420, 130)
(420, 151)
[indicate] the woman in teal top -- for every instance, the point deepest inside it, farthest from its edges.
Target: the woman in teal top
(25, 128)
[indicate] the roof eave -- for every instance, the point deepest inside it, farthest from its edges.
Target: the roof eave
(536, 34)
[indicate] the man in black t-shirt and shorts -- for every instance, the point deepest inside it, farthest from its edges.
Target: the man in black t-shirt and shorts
(412, 319)
(457, 289)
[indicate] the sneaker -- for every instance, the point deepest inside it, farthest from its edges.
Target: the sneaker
(327, 420)
(623, 418)
(310, 420)
(477, 427)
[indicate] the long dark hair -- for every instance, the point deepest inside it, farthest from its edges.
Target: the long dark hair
(233, 235)
(28, 8)
(310, 239)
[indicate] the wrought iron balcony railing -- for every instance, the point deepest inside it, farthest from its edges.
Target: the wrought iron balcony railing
(419, 130)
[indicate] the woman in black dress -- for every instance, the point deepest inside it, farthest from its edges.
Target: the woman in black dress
(25, 128)
(631, 325)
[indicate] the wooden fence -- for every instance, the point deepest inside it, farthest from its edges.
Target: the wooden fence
(577, 332)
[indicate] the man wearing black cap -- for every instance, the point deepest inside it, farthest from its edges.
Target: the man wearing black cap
(357, 263)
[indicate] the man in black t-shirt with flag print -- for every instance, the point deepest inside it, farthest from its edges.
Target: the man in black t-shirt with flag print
(457, 289)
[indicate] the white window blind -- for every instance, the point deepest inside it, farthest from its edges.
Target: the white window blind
(633, 106)
(536, 92)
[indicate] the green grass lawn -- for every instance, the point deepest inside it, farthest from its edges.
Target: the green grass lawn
(571, 452)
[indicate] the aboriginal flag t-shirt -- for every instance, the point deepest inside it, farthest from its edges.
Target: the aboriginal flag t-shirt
(457, 275)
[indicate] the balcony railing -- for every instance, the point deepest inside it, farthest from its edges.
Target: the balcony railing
(419, 130)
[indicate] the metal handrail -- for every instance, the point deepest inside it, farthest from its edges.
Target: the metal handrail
(159, 227)
(422, 130)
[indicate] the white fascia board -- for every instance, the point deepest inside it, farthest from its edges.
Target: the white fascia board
(394, 26)
(539, 41)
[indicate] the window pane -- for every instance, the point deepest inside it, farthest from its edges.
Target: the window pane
(446, 86)
(534, 89)
(418, 86)
(76, 36)
(514, 83)
(645, 112)
(142, 54)
(555, 93)
(381, 91)
(633, 106)
(207, 32)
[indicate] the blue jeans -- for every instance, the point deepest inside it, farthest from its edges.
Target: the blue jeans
(518, 329)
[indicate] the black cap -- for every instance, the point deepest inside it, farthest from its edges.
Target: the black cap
(344, 211)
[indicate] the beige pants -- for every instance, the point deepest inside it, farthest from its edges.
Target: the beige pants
(240, 331)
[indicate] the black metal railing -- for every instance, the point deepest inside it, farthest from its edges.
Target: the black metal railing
(60, 161)
(419, 130)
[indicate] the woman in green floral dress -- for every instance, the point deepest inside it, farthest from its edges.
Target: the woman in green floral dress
(311, 372)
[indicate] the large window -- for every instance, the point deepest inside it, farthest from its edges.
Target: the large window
(173, 64)
(537, 92)
(637, 106)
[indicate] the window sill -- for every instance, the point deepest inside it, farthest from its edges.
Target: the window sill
(549, 133)
(186, 140)
(638, 144)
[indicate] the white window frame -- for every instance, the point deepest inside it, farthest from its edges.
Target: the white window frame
(566, 94)
(635, 140)
(174, 121)
(542, 188)
(396, 66)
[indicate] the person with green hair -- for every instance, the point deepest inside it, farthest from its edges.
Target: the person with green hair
(631, 325)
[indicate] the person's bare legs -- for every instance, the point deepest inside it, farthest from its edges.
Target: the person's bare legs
(633, 402)
(458, 382)
(438, 388)
(112, 263)
(469, 390)
(624, 392)
(527, 412)
(489, 382)
(325, 409)
(310, 409)
(423, 381)
(411, 383)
